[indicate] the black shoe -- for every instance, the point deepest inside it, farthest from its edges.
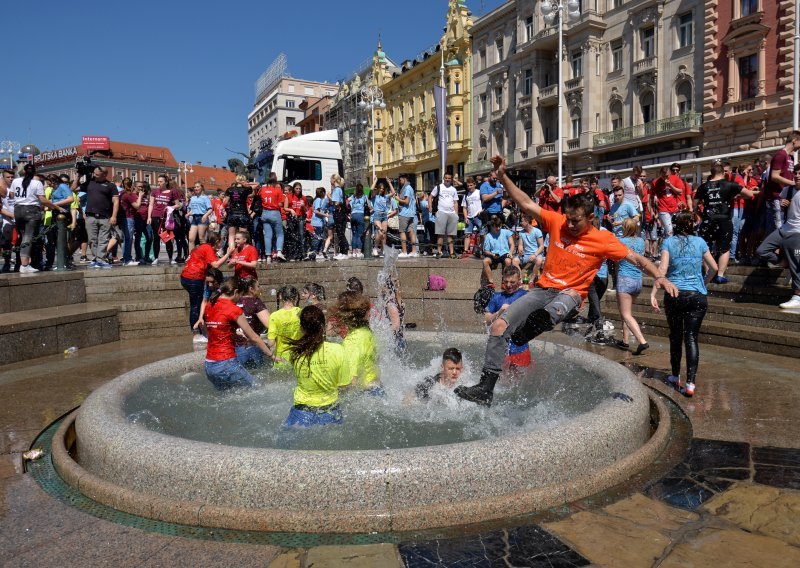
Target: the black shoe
(641, 348)
(483, 392)
(445, 255)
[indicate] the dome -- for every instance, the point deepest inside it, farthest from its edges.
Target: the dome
(30, 149)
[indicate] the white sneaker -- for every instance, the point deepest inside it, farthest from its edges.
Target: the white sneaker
(132, 263)
(199, 338)
(791, 304)
(402, 255)
(154, 263)
(173, 262)
(413, 254)
(279, 256)
(375, 252)
(27, 269)
(340, 257)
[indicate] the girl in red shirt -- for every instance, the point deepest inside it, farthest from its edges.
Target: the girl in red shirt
(295, 208)
(222, 318)
(193, 278)
(244, 257)
(273, 202)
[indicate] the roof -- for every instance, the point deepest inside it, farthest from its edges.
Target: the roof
(123, 151)
(212, 178)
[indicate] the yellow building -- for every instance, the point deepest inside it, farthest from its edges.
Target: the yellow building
(405, 131)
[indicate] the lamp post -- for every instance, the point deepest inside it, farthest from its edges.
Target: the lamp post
(11, 148)
(186, 168)
(372, 98)
(553, 11)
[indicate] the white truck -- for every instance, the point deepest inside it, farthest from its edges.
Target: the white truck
(310, 159)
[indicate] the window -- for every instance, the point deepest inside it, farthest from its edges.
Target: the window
(290, 103)
(529, 28)
(308, 90)
(411, 109)
(378, 121)
(648, 40)
(147, 178)
(648, 108)
(616, 56)
(749, 7)
(575, 119)
(499, 44)
(380, 157)
(528, 134)
(289, 121)
(424, 141)
(498, 98)
(458, 132)
(457, 88)
(685, 30)
(748, 76)
(291, 88)
(296, 168)
(482, 105)
(577, 64)
(482, 58)
(527, 85)
(422, 103)
(615, 113)
(133, 176)
(401, 114)
(683, 95)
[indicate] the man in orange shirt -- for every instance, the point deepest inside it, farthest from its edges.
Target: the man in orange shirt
(577, 250)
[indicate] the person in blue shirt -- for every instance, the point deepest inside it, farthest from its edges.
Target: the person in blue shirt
(319, 222)
(358, 207)
(518, 355)
(621, 210)
(497, 247)
(492, 195)
(407, 218)
(380, 215)
(428, 222)
(683, 257)
(629, 284)
(339, 216)
(530, 248)
(199, 212)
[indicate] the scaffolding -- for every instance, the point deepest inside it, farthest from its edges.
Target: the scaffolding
(352, 122)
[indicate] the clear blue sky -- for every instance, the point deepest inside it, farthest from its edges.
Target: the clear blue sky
(181, 74)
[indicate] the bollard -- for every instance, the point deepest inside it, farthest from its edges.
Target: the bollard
(367, 246)
(61, 241)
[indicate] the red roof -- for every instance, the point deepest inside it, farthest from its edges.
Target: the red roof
(211, 178)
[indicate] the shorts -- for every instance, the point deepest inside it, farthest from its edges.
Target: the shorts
(114, 233)
(530, 258)
(380, 216)
(446, 224)
(522, 359)
(474, 224)
(407, 224)
(305, 417)
(651, 230)
(629, 285)
(197, 220)
(718, 231)
(498, 261)
(238, 221)
(666, 223)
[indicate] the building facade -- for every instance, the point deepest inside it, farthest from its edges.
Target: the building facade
(405, 131)
(314, 110)
(277, 111)
(631, 91)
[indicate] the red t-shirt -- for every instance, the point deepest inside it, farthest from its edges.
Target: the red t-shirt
(163, 199)
(271, 198)
(198, 262)
(141, 213)
(781, 162)
(547, 202)
(602, 199)
(571, 261)
(297, 204)
(216, 207)
(221, 325)
(248, 254)
(648, 215)
(127, 199)
(738, 201)
(666, 199)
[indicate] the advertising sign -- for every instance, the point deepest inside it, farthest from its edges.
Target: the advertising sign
(90, 143)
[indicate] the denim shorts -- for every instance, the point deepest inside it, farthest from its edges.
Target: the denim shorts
(380, 216)
(628, 285)
(305, 418)
(228, 374)
(473, 224)
(530, 258)
(197, 220)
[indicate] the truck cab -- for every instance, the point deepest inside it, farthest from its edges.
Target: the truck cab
(310, 159)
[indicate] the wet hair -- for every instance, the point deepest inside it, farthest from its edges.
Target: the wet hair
(245, 233)
(316, 290)
(352, 310)
(683, 224)
(354, 285)
(312, 323)
(511, 270)
(288, 294)
(630, 227)
(215, 273)
(453, 355)
(320, 192)
(245, 284)
(228, 288)
(213, 239)
(581, 202)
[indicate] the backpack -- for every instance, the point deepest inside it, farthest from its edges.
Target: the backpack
(482, 298)
(436, 283)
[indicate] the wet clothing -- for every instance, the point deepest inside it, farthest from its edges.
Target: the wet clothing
(361, 357)
(249, 253)
(319, 377)
(686, 262)
(221, 324)
(494, 306)
(251, 307)
(423, 389)
(685, 316)
(284, 325)
(238, 214)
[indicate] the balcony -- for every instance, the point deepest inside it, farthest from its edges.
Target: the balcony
(664, 126)
(547, 37)
(573, 84)
(574, 144)
(524, 102)
(645, 65)
(498, 114)
(410, 159)
(743, 106)
(546, 149)
(477, 167)
(548, 95)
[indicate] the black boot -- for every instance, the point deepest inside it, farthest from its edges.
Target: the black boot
(481, 393)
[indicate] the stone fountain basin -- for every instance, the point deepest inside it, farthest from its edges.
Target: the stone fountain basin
(130, 468)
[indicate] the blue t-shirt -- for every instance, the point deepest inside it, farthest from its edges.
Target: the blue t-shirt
(357, 204)
(620, 212)
(380, 203)
(497, 244)
(424, 210)
(530, 241)
(321, 205)
(337, 195)
(61, 193)
(497, 302)
(636, 244)
(686, 262)
(495, 205)
(409, 210)
(199, 205)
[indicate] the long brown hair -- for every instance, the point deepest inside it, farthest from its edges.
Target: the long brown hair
(352, 310)
(312, 322)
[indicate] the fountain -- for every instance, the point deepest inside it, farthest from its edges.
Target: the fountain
(160, 443)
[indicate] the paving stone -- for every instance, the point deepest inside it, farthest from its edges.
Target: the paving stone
(650, 513)
(366, 556)
(289, 559)
(755, 508)
(714, 548)
(777, 476)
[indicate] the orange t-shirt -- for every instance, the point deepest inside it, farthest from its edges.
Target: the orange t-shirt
(572, 262)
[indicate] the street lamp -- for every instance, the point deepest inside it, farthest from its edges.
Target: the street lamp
(186, 168)
(11, 148)
(553, 11)
(372, 98)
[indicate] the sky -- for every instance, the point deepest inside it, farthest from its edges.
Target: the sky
(182, 74)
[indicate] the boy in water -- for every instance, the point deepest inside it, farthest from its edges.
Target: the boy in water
(448, 376)
(518, 355)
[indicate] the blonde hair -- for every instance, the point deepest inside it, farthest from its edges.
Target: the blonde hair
(241, 178)
(630, 227)
(337, 180)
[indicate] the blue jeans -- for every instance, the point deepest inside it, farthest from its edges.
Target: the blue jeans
(127, 234)
(305, 418)
(255, 227)
(195, 289)
(250, 356)
(357, 228)
(228, 374)
(738, 223)
(319, 240)
(272, 224)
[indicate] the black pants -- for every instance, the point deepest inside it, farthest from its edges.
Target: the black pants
(339, 227)
(596, 292)
(157, 223)
(685, 316)
(181, 233)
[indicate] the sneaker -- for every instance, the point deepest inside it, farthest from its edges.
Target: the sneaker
(340, 257)
(720, 280)
(132, 263)
(793, 303)
(279, 256)
(154, 263)
(674, 380)
(688, 390)
(268, 260)
(375, 252)
(199, 338)
(92, 264)
(173, 262)
(445, 255)
(413, 255)
(102, 264)
(320, 258)
(402, 255)
(641, 348)
(27, 269)
(83, 260)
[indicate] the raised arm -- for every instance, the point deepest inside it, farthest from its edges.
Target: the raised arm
(526, 204)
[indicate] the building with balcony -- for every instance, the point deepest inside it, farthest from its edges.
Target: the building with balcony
(629, 95)
(405, 131)
(314, 110)
(748, 75)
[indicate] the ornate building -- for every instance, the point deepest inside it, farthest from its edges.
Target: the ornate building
(630, 92)
(405, 131)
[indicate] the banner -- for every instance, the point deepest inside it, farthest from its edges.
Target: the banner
(440, 100)
(90, 143)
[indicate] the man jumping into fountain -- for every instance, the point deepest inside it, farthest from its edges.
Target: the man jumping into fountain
(576, 252)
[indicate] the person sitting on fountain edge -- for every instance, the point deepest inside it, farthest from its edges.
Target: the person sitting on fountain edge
(518, 355)
(452, 366)
(576, 252)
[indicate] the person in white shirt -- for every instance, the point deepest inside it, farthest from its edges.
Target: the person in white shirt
(446, 216)
(472, 207)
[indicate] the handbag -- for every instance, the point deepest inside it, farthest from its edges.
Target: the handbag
(393, 222)
(165, 235)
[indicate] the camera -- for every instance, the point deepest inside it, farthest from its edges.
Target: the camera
(85, 167)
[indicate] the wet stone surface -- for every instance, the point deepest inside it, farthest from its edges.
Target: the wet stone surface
(520, 547)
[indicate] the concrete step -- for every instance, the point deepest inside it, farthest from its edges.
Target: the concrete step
(49, 331)
(23, 292)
